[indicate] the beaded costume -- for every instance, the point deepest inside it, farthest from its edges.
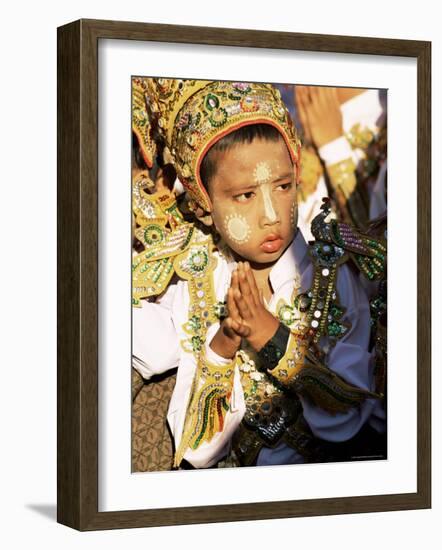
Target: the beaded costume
(191, 116)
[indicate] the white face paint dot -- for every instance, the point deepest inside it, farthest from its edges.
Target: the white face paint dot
(237, 228)
(262, 172)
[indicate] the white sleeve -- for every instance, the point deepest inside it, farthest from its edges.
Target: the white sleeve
(351, 360)
(335, 151)
(210, 452)
(155, 345)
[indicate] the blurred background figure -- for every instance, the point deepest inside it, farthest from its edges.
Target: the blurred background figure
(154, 186)
(344, 131)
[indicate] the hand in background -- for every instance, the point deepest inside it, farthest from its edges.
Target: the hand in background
(320, 113)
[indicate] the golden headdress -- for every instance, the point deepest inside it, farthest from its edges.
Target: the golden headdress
(192, 115)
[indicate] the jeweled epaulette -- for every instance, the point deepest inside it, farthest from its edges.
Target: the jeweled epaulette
(368, 253)
(153, 269)
(320, 304)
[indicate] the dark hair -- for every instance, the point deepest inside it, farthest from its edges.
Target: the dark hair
(137, 158)
(245, 134)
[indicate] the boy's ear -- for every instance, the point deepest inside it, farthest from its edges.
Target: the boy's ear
(203, 216)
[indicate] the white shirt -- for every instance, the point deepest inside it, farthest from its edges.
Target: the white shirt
(158, 329)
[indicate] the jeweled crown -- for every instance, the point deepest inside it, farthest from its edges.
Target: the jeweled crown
(192, 115)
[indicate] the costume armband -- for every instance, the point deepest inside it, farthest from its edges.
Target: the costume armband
(275, 348)
(301, 371)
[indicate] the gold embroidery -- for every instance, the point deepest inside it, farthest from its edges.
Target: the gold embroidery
(208, 404)
(343, 176)
(310, 172)
(193, 114)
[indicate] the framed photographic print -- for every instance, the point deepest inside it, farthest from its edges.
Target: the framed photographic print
(222, 275)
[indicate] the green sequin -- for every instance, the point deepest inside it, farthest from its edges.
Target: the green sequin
(153, 234)
(218, 117)
(211, 102)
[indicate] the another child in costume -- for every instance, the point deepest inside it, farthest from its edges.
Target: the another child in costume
(271, 337)
(347, 129)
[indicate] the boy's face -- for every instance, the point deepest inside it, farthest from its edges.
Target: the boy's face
(253, 193)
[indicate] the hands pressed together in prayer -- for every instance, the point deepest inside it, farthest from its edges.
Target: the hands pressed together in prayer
(247, 316)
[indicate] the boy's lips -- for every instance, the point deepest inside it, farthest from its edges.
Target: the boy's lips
(272, 243)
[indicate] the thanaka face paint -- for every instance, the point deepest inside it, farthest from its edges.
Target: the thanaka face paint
(253, 192)
(269, 211)
(237, 228)
(294, 215)
(262, 175)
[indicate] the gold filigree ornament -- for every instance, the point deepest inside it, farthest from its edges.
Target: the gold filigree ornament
(360, 137)
(212, 384)
(343, 176)
(208, 405)
(140, 121)
(164, 235)
(196, 266)
(153, 269)
(194, 114)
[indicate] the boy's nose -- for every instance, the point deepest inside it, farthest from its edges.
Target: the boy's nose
(269, 213)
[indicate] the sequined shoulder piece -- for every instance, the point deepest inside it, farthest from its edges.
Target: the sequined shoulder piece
(153, 269)
(320, 305)
(368, 253)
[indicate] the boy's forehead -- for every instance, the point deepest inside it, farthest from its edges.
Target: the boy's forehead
(241, 160)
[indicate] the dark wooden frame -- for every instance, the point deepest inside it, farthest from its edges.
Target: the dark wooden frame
(77, 225)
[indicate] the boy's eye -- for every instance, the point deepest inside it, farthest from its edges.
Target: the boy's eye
(243, 197)
(285, 186)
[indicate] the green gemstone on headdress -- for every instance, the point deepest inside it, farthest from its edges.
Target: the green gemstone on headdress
(218, 117)
(211, 102)
(234, 97)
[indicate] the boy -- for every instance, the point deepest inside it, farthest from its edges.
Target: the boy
(285, 367)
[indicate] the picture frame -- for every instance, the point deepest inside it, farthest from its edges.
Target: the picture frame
(78, 275)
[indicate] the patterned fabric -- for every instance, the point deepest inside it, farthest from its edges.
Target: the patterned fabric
(140, 122)
(152, 448)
